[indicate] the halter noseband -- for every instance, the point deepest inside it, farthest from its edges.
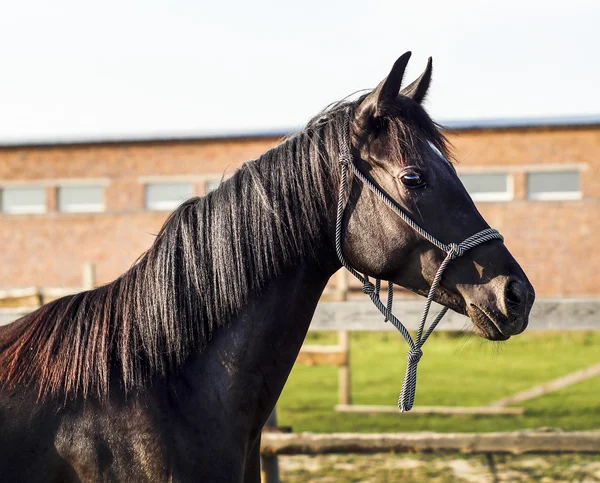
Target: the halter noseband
(452, 250)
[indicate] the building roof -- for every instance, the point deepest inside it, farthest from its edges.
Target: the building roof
(524, 122)
(456, 125)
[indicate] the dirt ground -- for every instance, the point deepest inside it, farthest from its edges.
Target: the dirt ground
(439, 469)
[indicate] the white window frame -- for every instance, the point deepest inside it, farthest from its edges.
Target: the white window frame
(25, 210)
(507, 195)
(80, 207)
(167, 205)
(555, 195)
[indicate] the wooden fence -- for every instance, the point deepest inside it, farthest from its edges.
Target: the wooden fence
(518, 442)
(564, 314)
(521, 442)
(22, 300)
(353, 315)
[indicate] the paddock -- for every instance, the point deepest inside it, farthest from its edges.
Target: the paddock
(344, 317)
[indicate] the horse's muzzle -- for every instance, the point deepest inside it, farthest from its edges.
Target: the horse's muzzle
(501, 308)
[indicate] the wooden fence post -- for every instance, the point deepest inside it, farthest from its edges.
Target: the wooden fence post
(342, 283)
(344, 370)
(344, 343)
(269, 469)
(89, 276)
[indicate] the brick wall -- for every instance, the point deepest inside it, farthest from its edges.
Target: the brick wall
(49, 250)
(555, 241)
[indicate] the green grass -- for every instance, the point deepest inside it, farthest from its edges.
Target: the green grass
(456, 370)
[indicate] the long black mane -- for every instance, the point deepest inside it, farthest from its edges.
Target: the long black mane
(212, 253)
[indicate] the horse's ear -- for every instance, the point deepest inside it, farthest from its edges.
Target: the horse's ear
(418, 89)
(384, 94)
(388, 90)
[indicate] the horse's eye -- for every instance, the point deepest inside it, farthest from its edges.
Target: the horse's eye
(412, 180)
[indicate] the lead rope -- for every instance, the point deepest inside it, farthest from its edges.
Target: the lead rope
(409, 385)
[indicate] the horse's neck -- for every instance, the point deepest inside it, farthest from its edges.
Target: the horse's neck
(244, 368)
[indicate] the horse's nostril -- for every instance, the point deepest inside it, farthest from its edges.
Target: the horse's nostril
(515, 293)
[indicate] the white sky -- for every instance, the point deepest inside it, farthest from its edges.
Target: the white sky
(75, 69)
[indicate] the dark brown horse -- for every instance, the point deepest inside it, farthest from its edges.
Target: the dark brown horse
(169, 372)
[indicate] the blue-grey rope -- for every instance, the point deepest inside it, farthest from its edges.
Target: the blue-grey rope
(452, 250)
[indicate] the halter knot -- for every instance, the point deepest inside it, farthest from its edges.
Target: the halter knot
(368, 288)
(345, 159)
(455, 251)
(414, 355)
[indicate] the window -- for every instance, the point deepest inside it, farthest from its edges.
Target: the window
(488, 186)
(212, 184)
(23, 199)
(167, 196)
(555, 185)
(80, 198)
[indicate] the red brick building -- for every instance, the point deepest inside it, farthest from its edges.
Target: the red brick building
(65, 204)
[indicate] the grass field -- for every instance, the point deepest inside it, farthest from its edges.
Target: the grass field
(456, 369)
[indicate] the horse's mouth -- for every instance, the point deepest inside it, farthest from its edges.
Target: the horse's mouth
(484, 325)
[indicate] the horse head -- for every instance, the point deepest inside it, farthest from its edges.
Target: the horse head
(395, 145)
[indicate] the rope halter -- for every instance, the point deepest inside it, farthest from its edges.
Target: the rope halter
(452, 250)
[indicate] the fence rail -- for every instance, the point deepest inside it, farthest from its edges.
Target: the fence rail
(519, 442)
(361, 315)
(547, 314)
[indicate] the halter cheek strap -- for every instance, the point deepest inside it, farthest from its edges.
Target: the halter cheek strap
(409, 385)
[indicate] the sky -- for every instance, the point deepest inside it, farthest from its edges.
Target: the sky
(75, 69)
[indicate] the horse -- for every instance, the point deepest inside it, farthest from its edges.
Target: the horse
(169, 372)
